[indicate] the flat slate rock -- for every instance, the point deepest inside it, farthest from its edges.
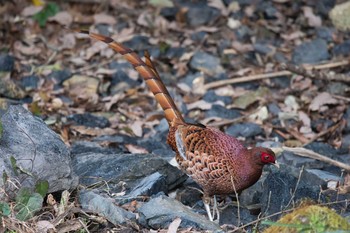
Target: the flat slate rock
(244, 130)
(116, 168)
(93, 202)
(37, 149)
(89, 120)
(207, 63)
(311, 52)
(7, 62)
(159, 212)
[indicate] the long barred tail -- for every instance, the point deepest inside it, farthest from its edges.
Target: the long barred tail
(149, 74)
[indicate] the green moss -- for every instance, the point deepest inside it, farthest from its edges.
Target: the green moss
(309, 219)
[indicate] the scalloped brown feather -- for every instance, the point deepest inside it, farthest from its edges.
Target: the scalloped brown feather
(219, 163)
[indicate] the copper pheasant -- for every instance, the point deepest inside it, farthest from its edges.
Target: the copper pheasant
(218, 162)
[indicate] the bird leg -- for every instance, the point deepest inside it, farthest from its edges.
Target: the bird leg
(211, 216)
(206, 201)
(216, 209)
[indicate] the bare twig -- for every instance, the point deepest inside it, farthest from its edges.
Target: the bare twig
(275, 75)
(313, 73)
(330, 129)
(296, 187)
(311, 154)
(238, 204)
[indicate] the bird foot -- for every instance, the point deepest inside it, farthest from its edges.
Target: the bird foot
(211, 216)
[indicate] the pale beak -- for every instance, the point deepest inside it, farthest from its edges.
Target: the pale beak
(276, 164)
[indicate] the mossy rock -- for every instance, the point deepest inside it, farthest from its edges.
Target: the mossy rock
(310, 219)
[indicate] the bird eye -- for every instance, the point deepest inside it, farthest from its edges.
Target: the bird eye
(266, 157)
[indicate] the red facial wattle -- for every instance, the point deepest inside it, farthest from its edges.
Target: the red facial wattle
(267, 158)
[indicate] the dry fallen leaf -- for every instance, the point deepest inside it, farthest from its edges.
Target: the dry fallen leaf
(68, 41)
(94, 49)
(321, 100)
(218, 4)
(45, 226)
(136, 149)
(345, 188)
(64, 18)
(174, 225)
(313, 20)
(31, 10)
(31, 49)
(200, 104)
(136, 128)
(291, 104)
(104, 19)
(260, 115)
(92, 131)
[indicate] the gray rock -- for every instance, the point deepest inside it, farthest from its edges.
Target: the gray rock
(169, 13)
(7, 63)
(251, 196)
(89, 120)
(191, 77)
(263, 48)
(294, 160)
(337, 88)
(322, 148)
(211, 97)
(342, 49)
(274, 108)
(324, 6)
(321, 178)
(201, 14)
(91, 201)
(37, 149)
(346, 142)
(30, 82)
(159, 212)
(59, 76)
(174, 52)
(244, 130)
(311, 52)
(207, 63)
(346, 116)
(281, 190)
(325, 33)
(220, 111)
(118, 169)
(148, 186)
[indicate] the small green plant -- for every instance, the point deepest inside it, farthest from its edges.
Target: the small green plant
(49, 10)
(28, 201)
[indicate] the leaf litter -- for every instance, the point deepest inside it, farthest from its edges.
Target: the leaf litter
(302, 100)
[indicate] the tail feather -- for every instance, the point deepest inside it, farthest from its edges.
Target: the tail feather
(149, 74)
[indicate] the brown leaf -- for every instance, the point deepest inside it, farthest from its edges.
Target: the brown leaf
(27, 49)
(200, 104)
(64, 18)
(31, 10)
(313, 20)
(136, 128)
(92, 131)
(136, 149)
(345, 188)
(104, 19)
(94, 49)
(174, 225)
(68, 41)
(321, 100)
(218, 4)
